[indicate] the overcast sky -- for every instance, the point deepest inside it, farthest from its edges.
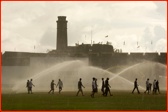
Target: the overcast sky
(25, 24)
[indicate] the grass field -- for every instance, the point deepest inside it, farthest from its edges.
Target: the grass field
(120, 101)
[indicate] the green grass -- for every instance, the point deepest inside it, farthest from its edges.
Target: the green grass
(120, 101)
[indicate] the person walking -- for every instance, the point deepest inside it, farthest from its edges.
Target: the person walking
(102, 89)
(30, 85)
(107, 88)
(27, 85)
(93, 88)
(135, 86)
(52, 87)
(154, 87)
(96, 85)
(157, 86)
(60, 85)
(147, 86)
(80, 87)
(150, 86)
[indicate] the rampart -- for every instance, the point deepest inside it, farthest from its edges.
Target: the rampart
(99, 59)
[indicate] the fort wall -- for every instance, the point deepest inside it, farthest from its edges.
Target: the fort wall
(100, 59)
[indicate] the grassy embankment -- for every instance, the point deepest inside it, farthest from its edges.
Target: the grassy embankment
(120, 101)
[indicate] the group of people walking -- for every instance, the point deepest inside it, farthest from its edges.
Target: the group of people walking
(148, 86)
(155, 86)
(60, 84)
(105, 87)
(95, 87)
(29, 86)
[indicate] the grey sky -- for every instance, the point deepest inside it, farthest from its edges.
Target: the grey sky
(25, 24)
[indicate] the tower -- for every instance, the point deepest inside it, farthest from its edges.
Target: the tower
(61, 33)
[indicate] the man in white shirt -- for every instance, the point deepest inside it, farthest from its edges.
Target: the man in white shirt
(30, 85)
(147, 86)
(60, 85)
(94, 88)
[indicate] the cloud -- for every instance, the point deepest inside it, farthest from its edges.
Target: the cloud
(161, 8)
(35, 22)
(160, 32)
(161, 45)
(147, 35)
(17, 43)
(153, 42)
(49, 37)
(128, 23)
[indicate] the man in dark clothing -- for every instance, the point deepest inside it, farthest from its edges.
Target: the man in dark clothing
(102, 89)
(52, 87)
(80, 87)
(150, 86)
(157, 86)
(136, 86)
(107, 88)
(96, 85)
(154, 87)
(27, 85)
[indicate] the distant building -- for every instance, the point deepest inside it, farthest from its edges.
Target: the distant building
(82, 50)
(62, 33)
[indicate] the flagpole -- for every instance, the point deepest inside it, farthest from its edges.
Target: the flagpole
(91, 37)
(152, 46)
(137, 46)
(123, 45)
